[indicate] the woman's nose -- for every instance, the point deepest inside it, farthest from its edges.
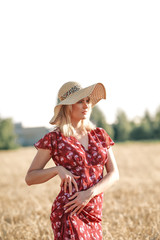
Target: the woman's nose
(85, 104)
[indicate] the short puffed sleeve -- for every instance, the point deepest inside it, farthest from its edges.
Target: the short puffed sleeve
(107, 140)
(47, 142)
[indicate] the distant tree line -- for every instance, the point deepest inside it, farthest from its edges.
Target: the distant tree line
(147, 128)
(7, 135)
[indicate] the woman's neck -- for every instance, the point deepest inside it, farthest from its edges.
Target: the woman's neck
(78, 128)
(77, 124)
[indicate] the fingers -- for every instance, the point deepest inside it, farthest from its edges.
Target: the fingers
(76, 204)
(62, 182)
(72, 205)
(76, 210)
(75, 184)
(71, 202)
(80, 209)
(65, 184)
(73, 196)
(76, 176)
(70, 186)
(69, 180)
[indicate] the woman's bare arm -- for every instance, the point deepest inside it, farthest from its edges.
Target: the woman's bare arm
(36, 174)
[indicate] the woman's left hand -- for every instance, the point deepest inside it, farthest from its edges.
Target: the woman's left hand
(80, 200)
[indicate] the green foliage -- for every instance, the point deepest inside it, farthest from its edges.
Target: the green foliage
(143, 130)
(122, 127)
(156, 124)
(98, 118)
(7, 135)
(122, 130)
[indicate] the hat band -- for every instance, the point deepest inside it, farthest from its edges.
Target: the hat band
(69, 92)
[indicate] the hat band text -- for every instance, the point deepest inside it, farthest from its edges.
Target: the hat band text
(70, 91)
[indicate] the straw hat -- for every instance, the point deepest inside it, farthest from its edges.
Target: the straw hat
(72, 92)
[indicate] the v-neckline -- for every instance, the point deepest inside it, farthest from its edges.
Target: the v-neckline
(82, 144)
(77, 141)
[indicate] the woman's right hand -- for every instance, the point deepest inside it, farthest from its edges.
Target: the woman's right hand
(67, 178)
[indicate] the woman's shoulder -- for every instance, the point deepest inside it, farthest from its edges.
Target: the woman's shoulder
(50, 136)
(53, 132)
(104, 136)
(48, 141)
(99, 130)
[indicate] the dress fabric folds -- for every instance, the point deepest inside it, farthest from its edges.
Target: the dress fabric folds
(88, 164)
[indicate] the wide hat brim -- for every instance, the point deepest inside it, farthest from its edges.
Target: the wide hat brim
(96, 92)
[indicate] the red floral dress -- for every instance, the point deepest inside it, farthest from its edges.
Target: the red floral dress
(89, 164)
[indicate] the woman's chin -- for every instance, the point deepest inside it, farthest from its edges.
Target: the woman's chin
(84, 117)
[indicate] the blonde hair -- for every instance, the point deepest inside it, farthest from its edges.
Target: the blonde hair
(64, 123)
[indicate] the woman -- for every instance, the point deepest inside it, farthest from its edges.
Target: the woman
(80, 152)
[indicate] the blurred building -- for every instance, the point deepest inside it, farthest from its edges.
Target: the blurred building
(29, 136)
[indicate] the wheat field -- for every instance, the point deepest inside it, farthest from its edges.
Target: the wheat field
(131, 209)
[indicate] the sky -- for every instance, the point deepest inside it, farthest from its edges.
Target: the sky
(44, 44)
